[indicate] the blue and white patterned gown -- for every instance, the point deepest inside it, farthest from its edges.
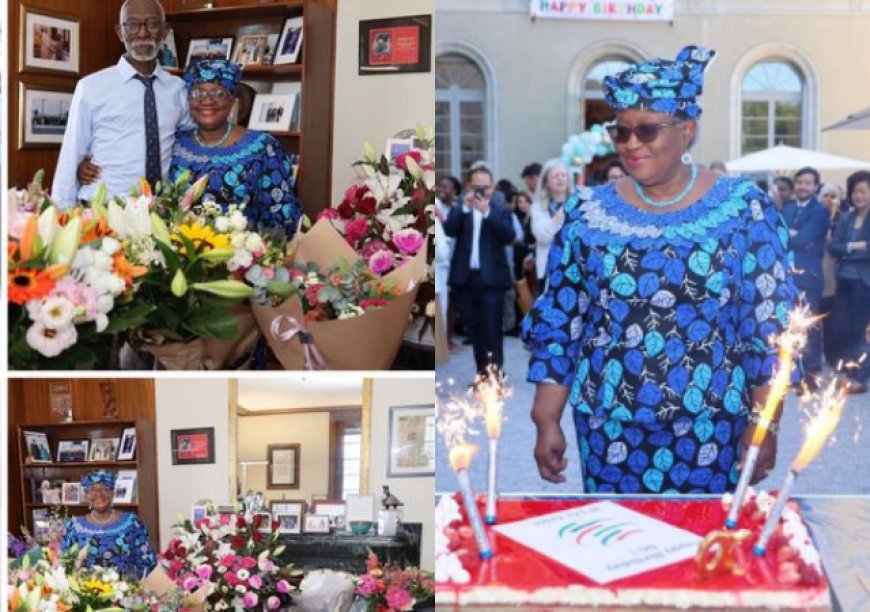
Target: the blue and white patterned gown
(255, 171)
(659, 322)
(122, 545)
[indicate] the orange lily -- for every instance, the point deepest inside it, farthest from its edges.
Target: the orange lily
(57, 271)
(145, 187)
(27, 238)
(95, 230)
(126, 270)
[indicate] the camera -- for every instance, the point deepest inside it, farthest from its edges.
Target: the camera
(480, 191)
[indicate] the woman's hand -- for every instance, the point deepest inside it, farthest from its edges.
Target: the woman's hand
(766, 454)
(550, 452)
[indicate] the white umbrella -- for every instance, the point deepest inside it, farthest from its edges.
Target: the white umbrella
(855, 121)
(782, 157)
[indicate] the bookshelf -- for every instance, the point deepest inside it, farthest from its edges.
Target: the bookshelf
(144, 464)
(314, 72)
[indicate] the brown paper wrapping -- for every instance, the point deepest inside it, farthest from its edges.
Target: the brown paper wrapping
(368, 342)
(159, 583)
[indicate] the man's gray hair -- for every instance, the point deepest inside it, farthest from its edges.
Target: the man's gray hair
(126, 2)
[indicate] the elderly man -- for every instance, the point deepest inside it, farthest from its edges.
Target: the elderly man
(124, 117)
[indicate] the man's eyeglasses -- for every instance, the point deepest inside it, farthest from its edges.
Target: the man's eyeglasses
(131, 28)
(645, 132)
(218, 95)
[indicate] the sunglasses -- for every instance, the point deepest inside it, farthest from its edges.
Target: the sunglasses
(645, 132)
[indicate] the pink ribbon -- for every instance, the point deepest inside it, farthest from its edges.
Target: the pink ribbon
(311, 355)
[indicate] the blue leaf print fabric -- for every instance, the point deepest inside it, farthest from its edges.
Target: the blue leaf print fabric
(661, 332)
(122, 545)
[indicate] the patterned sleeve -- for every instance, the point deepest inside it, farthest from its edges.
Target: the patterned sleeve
(551, 330)
(69, 536)
(143, 557)
(767, 291)
(278, 205)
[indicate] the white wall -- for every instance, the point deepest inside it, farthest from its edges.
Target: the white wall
(309, 430)
(186, 404)
(418, 494)
(373, 107)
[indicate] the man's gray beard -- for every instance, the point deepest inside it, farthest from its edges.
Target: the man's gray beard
(142, 58)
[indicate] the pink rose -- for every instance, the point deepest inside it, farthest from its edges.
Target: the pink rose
(399, 599)
(228, 560)
(250, 599)
(355, 230)
(283, 586)
(381, 262)
(328, 213)
(204, 571)
(367, 586)
(248, 562)
(190, 583)
(231, 578)
(408, 241)
(273, 603)
(256, 581)
(372, 247)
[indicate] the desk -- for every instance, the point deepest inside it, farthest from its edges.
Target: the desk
(343, 551)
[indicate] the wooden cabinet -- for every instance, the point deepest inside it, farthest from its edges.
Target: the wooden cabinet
(144, 464)
(314, 72)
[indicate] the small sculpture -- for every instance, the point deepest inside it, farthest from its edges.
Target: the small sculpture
(388, 500)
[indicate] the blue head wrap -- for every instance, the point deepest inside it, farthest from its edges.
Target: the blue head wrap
(661, 85)
(103, 477)
(219, 71)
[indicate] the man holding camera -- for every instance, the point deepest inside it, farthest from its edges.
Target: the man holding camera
(479, 270)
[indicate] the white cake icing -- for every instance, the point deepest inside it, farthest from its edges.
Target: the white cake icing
(448, 567)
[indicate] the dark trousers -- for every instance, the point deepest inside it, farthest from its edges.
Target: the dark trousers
(481, 309)
(850, 318)
(811, 356)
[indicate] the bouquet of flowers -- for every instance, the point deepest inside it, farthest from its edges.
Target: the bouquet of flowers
(232, 559)
(387, 217)
(68, 272)
(389, 588)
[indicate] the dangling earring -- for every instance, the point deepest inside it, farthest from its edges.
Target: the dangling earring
(686, 158)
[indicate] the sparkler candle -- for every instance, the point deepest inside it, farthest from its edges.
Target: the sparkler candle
(490, 392)
(792, 339)
(818, 431)
(460, 459)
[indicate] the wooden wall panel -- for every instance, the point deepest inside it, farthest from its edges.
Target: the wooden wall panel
(100, 47)
(12, 495)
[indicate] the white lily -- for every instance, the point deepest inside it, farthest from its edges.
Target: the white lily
(131, 221)
(47, 225)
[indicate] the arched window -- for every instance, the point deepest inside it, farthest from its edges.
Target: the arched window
(593, 107)
(460, 114)
(772, 107)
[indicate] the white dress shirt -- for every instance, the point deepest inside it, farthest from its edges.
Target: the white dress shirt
(477, 218)
(107, 120)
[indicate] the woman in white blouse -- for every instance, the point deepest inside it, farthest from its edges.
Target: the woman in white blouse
(548, 214)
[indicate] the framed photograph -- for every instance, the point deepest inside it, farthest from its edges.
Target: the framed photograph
(72, 451)
(167, 56)
(401, 44)
(127, 449)
(197, 513)
(290, 43)
(72, 493)
(53, 493)
(43, 115)
(283, 470)
(289, 522)
(209, 48)
(251, 49)
(411, 448)
(124, 491)
(38, 450)
(288, 505)
(316, 523)
(226, 510)
(192, 446)
(49, 42)
(41, 523)
(104, 449)
(397, 146)
(271, 47)
(265, 519)
(272, 113)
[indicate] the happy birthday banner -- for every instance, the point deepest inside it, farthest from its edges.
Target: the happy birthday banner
(614, 9)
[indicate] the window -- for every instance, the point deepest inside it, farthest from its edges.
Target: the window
(593, 108)
(351, 443)
(460, 121)
(771, 107)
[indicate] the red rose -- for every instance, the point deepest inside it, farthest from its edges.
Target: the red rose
(311, 293)
(401, 164)
(345, 210)
(240, 522)
(356, 230)
(369, 303)
(368, 206)
(237, 542)
(257, 537)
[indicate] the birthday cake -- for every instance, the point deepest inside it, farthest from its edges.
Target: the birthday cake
(664, 553)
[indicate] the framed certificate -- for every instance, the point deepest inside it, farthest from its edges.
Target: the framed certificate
(283, 470)
(411, 449)
(401, 44)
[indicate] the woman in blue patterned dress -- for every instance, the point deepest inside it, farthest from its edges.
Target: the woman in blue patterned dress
(664, 289)
(114, 539)
(244, 166)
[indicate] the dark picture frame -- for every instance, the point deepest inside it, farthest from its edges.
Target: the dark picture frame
(396, 45)
(192, 446)
(73, 451)
(283, 474)
(210, 47)
(411, 441)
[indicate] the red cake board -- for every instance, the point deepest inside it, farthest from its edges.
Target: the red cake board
(517, 577)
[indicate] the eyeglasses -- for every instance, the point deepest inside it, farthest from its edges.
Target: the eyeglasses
(218, 95)
(131, 28)
(645, 132)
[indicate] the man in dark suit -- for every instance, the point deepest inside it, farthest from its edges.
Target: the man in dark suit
(479, 269)
(808, 222)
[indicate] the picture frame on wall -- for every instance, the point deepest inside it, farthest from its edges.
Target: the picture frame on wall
(38, 449)
(192, 446)
(127, 449)
(395, 45)
(272, 113)
(43, 115)
(50, 42)
(60, 400)
(411, 447)
(283, 468)
(290, 42)
(219, 47)
(167, 55)
(73, 451)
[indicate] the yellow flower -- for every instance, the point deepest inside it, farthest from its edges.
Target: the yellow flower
(96, 587)
(201, 235)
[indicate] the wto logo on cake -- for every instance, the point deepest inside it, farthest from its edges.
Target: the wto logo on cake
(603, 530)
